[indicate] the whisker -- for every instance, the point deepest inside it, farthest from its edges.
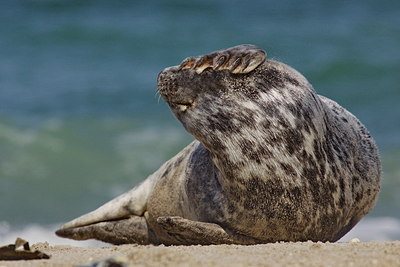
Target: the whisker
(157, 92)
(158, 95)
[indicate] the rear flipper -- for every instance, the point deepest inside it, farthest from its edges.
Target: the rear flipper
(119, 221)
(122, 220)
(188, 232)
(124, 231)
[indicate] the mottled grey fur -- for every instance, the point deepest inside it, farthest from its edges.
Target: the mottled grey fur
(273, 161)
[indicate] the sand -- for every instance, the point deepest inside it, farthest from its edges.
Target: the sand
(278, 254)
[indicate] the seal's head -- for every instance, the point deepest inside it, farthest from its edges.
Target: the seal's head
(216, 104)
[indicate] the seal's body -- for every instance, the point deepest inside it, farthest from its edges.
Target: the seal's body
(272, 161)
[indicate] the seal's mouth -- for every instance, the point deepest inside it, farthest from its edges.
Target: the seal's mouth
(182, 106)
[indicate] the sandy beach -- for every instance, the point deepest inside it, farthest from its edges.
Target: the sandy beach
(278, 254)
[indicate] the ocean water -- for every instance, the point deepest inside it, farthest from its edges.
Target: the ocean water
(80, 121)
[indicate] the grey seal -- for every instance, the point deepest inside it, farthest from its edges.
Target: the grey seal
(272, 161)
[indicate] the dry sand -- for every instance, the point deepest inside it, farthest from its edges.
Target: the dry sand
(279, 254)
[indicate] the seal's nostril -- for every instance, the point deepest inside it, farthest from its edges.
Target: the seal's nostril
(159, 75)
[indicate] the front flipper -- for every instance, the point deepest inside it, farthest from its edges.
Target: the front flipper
(238, 59)
(125, 231)
(189, 232)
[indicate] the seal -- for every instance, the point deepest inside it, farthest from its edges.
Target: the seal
(272, 161)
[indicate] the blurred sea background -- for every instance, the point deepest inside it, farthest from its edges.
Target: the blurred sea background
(80, 122)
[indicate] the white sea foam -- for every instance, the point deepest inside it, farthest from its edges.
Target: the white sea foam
(369, 229)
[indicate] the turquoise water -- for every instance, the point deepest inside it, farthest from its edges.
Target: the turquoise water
(79, 119)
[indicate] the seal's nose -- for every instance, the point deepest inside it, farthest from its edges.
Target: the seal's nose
(167, 81)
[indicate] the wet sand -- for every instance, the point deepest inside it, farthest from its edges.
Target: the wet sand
(278, 254)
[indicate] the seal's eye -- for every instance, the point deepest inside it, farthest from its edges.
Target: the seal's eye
(210, 75)
(208, 71)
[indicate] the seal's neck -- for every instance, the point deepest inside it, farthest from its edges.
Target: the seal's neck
(280, 139)
(244, 158)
